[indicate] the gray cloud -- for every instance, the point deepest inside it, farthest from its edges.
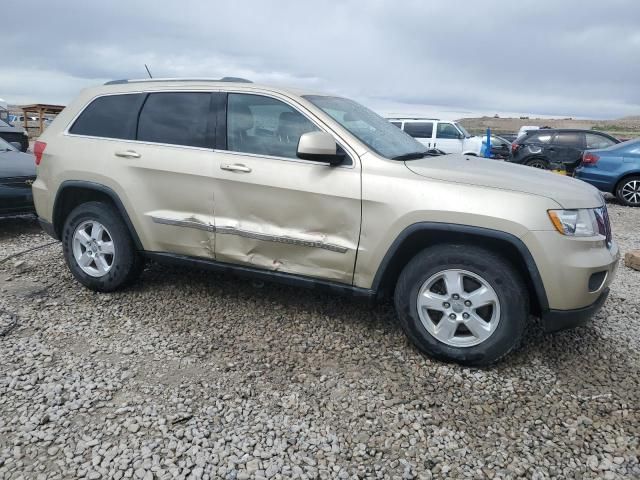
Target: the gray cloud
(572, 58)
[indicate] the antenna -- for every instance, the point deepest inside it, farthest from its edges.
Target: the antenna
(148, 71)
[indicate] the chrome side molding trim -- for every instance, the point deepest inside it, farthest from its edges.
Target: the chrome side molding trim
(252, 235)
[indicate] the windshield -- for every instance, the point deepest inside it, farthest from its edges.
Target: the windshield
(6, 146)
(370, 128)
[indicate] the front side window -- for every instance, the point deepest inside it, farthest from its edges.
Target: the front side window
(176, 118)
(111, 116)
(419, 129)
(597, 141)
(446, 130)
(264, 126)
(368, 127)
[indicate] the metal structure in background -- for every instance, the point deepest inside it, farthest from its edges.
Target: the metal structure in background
(41, 109)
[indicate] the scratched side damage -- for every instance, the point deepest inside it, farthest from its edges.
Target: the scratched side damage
(186, 242)
(193, 223)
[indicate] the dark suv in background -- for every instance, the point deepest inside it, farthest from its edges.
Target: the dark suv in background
(557, 148)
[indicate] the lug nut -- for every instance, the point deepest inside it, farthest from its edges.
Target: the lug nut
(446, 304)
(467, 303)
(465, 315)
(452, 316)
(455, 296)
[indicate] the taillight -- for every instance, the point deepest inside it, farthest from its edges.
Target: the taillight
(38, 150)
(514, 147)
(589, 158)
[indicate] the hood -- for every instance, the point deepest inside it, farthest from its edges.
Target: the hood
(568, 192)
(17, 164)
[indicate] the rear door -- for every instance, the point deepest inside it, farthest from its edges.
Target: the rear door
(273, 210)
(448, 138)
(421, 131)
(566, 149)
(155, 151)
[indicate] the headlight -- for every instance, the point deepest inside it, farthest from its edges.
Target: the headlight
(575, 223)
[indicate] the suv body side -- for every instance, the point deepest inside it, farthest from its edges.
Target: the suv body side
(558, 148)
(341, 224)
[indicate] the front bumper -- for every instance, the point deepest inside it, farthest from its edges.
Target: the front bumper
(556, 320)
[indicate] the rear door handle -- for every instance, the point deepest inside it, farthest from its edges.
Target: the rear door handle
(128, 154)
(235, 167)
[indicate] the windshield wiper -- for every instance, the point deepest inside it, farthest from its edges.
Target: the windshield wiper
(410, 156)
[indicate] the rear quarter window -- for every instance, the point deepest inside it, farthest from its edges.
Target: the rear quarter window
(110, 116)
(538, 137)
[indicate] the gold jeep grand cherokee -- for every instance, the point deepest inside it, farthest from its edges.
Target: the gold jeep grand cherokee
(317, 190)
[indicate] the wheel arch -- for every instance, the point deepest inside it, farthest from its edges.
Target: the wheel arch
(623, 177)
(74, 192)
(419, 236)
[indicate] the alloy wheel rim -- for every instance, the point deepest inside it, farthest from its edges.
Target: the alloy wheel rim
(93, 248)
(459, 308)
(538, 164)
(631, 191)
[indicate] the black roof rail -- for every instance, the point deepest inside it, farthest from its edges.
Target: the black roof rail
(145, 80)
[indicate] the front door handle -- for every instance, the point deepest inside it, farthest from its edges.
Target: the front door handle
(128, 154)
(235, 167)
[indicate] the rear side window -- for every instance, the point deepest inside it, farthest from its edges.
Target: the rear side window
(176, 118)
(598, 141)
(112, 116)
(419, 129)
(569, 139)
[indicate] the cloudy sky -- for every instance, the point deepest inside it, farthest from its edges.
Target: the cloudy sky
(576, 58)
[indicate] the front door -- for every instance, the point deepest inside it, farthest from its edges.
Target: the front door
(448, 138)
(275, 211)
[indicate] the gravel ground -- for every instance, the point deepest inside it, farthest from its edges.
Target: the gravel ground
(195, 375)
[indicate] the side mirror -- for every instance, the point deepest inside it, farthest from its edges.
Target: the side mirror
(319, 147)
(16, 145)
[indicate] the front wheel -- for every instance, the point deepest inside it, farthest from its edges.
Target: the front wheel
(461, 303)
(628, 192)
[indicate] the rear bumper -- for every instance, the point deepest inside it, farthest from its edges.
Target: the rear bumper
(555, 320)
(48, 228)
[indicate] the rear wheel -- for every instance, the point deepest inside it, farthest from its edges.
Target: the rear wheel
(463, 304)
(540, 163)
(628, 191)
(99, 249)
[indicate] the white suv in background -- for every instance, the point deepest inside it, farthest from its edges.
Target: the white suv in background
(445, 135)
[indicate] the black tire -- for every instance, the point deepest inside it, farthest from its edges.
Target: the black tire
(626, 183)
(538, 162)
(496, 271)
(127, 261)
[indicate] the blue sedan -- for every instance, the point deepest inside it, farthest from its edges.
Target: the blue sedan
(615, 170)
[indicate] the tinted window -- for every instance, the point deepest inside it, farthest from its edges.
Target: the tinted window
(397, 124)
(569, 139)
(597, 141)
(539, 137)
(178, 118)
(419, 129)
(112, 116)
(446, 130)
(264, 126)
